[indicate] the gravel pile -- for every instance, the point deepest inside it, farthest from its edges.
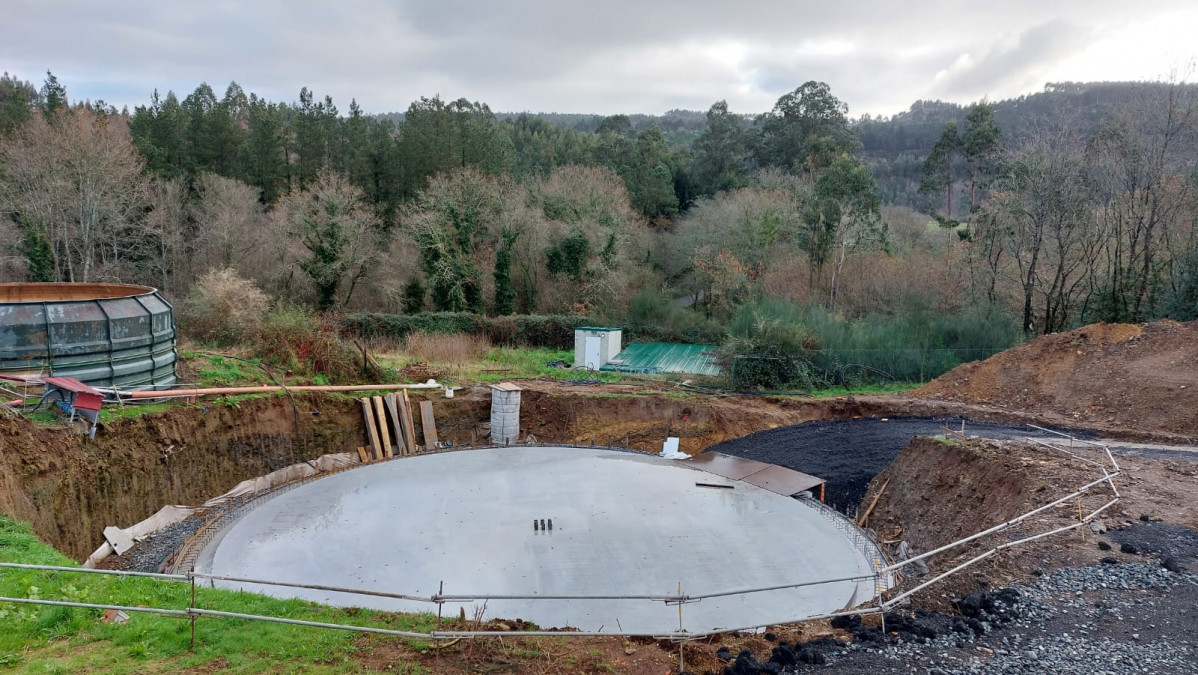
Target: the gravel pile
(150, 554)
(1167, 540)
(1103, 619)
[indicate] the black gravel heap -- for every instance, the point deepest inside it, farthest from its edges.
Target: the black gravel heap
(1177, 545)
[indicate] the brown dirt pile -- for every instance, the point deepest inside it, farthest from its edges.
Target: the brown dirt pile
(939, 491)
(1141, 377)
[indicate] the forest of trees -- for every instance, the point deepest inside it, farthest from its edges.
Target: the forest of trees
(1073, 205)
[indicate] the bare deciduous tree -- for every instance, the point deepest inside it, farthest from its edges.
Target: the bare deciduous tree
(80, 178)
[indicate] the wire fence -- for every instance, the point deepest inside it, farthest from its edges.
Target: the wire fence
(882, 576)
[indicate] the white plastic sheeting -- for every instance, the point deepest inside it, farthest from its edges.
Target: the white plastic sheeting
(285, 475)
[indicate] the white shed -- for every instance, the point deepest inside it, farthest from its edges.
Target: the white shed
(596, 345)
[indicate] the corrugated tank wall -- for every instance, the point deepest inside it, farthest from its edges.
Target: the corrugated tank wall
(101, 334)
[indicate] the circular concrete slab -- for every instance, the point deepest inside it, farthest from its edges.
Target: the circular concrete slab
(623, 524)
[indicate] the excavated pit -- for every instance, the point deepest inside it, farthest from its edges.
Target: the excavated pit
(70, 488)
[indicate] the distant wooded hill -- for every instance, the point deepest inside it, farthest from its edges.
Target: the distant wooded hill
(895, 146)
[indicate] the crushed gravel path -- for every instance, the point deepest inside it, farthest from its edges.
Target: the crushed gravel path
(1103, 619)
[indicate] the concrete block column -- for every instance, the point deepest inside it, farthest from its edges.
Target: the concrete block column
(505, 413)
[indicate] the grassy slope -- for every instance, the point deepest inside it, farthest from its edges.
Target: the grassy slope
(69, 640)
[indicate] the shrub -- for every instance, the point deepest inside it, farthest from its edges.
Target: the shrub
(223, 308)
(767, 348)
(777, 342)
(308, 343)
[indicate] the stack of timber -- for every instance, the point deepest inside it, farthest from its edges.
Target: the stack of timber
(390, 427)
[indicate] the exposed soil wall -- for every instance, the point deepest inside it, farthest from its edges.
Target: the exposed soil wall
(70, 488)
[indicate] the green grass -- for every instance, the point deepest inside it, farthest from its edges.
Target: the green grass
(223, 372)
(111, 412)
(506, 363)
(37, 638)
(893, 388)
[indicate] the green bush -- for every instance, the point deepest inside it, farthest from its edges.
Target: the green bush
(915, 344)
(768, 347)
(303, 342)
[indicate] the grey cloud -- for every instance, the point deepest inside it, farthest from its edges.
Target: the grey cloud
(1003, 64)
(618, 56)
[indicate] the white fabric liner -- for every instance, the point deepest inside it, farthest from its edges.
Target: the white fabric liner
(169, 515)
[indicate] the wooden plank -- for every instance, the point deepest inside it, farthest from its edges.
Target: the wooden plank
(861, 522)
(396, 425)
(380, 414)
(371, 431)
(409, 426)
(430, 426)
(362, 454)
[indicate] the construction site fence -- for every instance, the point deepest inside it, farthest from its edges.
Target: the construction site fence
(879, 604)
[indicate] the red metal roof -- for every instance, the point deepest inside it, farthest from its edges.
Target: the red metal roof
(71, 384)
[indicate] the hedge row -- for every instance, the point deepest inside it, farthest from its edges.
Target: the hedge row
(522, 330)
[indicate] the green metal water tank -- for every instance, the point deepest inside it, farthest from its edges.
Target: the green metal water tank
(102, 334)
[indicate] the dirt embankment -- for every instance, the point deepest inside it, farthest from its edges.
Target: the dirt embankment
(938, 491)
(70, 488)
(1139, 377)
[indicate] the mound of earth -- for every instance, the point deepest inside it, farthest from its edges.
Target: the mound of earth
(939, 490)
(1142, 377)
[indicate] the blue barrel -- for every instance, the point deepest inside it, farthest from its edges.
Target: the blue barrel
(108, 335)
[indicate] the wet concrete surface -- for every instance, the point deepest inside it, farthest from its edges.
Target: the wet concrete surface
(623, 523)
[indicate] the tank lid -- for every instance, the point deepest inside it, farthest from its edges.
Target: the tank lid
(68, 292)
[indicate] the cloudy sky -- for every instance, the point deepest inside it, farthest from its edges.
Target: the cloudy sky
(602, 57)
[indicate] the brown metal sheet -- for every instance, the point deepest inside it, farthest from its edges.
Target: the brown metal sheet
(783, 481)
(733, 468)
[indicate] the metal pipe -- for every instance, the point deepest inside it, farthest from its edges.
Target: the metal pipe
(214, 391)
(1111, 457)
(86, 570)
(89, 605)
(933, 580)
(448, 634)
(853, 612)
(315, 587)
(1053, 447)
(747, 591)
(473, 598)
(313, 624)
